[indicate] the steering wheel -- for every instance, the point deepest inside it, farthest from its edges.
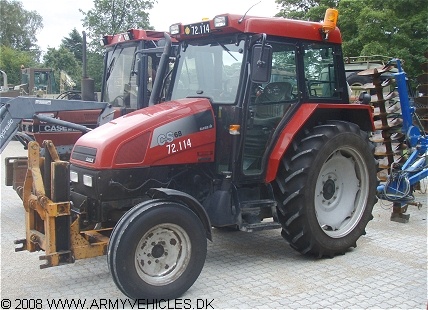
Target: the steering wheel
(276, 91)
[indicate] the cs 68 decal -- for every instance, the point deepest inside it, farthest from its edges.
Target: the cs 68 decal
(168, 137)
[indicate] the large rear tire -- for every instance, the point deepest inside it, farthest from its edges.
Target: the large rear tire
(326, 186)
(157, 250)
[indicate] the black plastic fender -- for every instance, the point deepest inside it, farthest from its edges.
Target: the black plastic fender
(192, 203)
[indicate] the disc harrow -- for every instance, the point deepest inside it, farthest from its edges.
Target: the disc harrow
(387, 119)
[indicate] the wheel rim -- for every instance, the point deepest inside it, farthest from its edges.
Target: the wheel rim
(341, 192)
(163, 254)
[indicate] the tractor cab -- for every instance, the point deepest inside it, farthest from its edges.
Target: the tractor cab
(256, 73)
(128, 77)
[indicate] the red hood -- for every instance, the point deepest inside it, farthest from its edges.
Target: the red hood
(155, 135)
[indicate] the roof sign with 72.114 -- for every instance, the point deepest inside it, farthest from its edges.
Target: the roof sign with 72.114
(197, 29)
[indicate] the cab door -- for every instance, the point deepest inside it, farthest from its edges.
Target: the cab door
(266, 107)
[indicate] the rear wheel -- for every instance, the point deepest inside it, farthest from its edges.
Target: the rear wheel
(326, 186)
(157, 250)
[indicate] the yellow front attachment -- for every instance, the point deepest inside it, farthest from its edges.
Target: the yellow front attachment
(48, 219)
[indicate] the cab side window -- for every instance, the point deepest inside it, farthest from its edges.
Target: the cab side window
(320, 71)
(271, 100)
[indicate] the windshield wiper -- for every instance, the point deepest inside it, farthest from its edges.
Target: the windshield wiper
(112, 62)
(110, 67)
(227, 50)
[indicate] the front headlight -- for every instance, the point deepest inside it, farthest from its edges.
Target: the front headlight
(74, 177)
(174, 29)
(220, 21)
(87, 180)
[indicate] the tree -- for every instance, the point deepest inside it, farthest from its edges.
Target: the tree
(114, 16)
(74, 43)
(95, 68)
(18, 26)
(69, 57)
(11, 61)
(305, 9)
(111, 17)
(393, 28)
(63, 59)
(370, 27)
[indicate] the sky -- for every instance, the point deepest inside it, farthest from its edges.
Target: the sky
(61, 16)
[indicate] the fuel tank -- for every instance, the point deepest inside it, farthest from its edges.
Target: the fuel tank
(169, 133)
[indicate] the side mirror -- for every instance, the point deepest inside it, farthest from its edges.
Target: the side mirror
(261, 63)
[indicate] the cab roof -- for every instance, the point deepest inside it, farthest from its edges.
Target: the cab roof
(132, 35)
(274, 26)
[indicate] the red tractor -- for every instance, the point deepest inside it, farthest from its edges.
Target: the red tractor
(254, 130)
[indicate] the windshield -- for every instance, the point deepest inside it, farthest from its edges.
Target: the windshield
(120, 88)
(209, 70)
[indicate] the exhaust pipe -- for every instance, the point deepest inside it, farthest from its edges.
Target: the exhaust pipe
(88, 84)
(162, 70)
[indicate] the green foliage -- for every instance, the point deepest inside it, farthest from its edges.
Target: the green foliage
(115, 16)
(63, 59)
(393, 28)
(313, 10)
(11, 61)
(370, 27)
(106, 18)
(74, 43)
(95, 67)
(18, 26)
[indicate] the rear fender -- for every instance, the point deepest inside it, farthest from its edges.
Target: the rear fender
(192, 203)
(312, 114)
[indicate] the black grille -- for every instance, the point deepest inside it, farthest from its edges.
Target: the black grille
(84, 153)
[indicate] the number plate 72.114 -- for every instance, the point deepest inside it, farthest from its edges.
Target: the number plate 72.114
(197, 29)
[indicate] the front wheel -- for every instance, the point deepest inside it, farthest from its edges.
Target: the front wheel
(327, 186)
(157, 250)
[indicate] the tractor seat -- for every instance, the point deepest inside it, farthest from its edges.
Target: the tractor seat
(269, 106)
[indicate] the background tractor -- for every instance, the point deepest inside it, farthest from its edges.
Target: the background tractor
(63, 121)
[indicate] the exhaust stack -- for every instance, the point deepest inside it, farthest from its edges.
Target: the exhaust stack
(88, 84)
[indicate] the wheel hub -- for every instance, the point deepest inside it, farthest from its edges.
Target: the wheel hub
(158, 250)
(329, 189)
(162, 254)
